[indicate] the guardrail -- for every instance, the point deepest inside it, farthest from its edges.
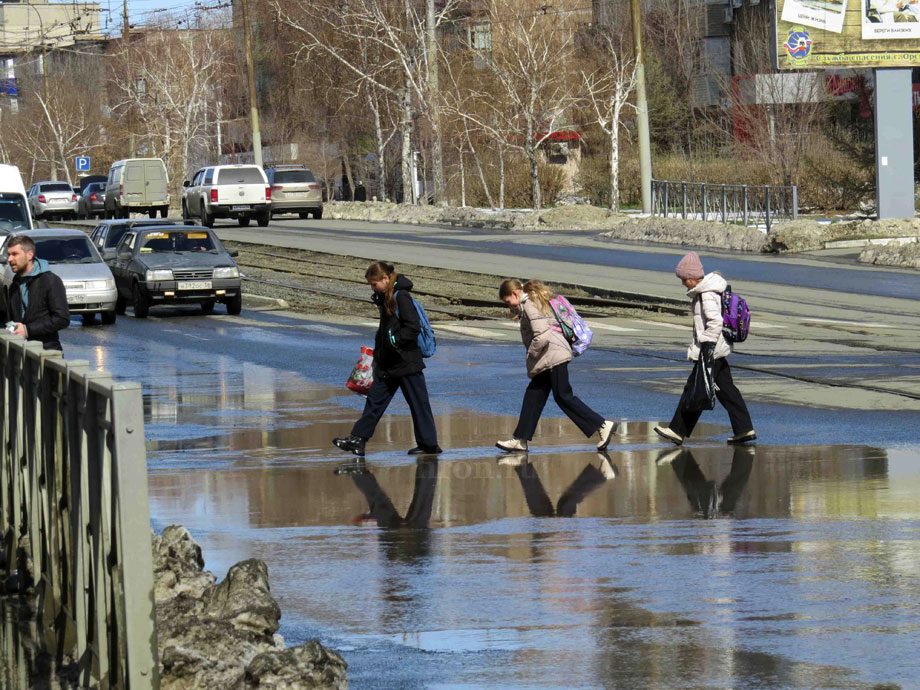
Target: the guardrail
(761, 205)
(74, 515)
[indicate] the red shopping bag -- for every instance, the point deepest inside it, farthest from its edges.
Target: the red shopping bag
(362, 376)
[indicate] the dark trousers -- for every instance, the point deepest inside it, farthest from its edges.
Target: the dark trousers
(727, 393)
(415, 392)
(536, 395)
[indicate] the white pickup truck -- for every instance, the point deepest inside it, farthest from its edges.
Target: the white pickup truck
(228, 191)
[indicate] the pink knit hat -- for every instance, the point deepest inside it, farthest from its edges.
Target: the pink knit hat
(690, 267)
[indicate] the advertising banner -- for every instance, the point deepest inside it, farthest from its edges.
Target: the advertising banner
(835, 34)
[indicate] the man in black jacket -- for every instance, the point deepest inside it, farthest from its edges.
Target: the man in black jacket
(36, 299)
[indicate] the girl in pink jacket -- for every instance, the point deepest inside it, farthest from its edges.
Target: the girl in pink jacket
(705, 291)
(548, 357)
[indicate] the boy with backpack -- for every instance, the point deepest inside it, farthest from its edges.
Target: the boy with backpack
(710, 343)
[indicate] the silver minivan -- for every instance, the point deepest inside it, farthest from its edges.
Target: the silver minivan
(137, 185)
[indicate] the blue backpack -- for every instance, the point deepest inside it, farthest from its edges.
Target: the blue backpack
(427, 343)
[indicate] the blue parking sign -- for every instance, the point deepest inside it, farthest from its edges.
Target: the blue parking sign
(82, 163)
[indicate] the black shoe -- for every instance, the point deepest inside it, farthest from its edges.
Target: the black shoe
(351, 444)
(352, 467)
(425, 450)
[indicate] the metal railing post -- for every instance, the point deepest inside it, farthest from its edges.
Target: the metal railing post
(666, 186)
(744, 213)
(724, 205)
(766, 204)
(683, 213)
(795, 202)
(703, 197)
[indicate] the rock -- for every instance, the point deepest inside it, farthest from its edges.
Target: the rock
(892, 254)
(244, 599)
(308, 666)
(797, 236)
(178, 565)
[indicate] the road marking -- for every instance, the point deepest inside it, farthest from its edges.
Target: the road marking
(607, 327)
(676, 326)
(840, 322)
(468, 330)
(763, 325)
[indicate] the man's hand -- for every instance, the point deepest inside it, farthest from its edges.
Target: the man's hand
(20, 330)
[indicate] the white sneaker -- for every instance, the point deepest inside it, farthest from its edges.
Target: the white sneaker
(666, 433)
(512, 445)
(607, 468)
(513, 459)
(606, 432)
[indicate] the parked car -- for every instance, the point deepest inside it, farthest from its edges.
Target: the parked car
(176, 264)
(89, 179)
(91, 202)
(52, 200)
(14, 205)
(88, 281)
(137, 185)
(108, 233)
(228, 191)
(295, 190)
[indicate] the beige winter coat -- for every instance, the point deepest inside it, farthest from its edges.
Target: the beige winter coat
(706, 308)
(546, 348)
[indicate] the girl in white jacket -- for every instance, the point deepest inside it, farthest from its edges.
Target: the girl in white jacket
(705, 291)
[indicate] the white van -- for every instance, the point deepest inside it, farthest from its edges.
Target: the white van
(137, 185)
(14, 206)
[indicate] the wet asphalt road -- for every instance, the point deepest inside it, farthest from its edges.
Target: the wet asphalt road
(792, 564)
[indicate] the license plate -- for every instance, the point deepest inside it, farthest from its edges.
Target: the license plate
(76, 299)
(193, 285)
(243, 207)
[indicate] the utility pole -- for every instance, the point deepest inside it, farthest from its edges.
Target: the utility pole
(645, 145)
(47, 104)
(253, 105)
(126, 40)
(437, 154)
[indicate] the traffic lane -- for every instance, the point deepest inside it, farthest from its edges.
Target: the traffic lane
(772, 269)
(481, 257)
(206, 377)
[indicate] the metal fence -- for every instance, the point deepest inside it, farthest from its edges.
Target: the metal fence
(74, 512)
(740, 204)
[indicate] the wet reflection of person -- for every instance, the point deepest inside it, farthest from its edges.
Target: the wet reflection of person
(702, 493)
(538, 501)
(381, 508)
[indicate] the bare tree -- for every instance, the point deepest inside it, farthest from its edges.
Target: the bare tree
(171, 87)
(608, 89)
(530, 57)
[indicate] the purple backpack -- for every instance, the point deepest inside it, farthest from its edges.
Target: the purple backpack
(736, 318)
(573, 328)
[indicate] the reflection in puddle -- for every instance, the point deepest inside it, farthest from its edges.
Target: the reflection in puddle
(704, 566)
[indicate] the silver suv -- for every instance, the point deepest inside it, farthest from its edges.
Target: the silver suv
(52, 199)
(295, 190)
(228, 191)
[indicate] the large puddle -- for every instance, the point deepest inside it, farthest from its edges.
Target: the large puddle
(707, 567)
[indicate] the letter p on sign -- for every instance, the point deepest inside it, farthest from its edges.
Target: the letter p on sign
(82, 163)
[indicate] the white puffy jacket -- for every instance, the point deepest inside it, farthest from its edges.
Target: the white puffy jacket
(706, 308)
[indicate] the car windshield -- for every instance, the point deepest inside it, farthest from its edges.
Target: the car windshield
(65, 250)
(14, 215)
(240, 176)
(56, 187)
(293, 176)
(177, 241)
(93, 187)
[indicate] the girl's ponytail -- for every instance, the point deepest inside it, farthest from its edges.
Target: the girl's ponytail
(539, 293)
(377, 271)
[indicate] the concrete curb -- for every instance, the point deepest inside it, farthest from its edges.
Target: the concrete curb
(260, 302)
(846, 244)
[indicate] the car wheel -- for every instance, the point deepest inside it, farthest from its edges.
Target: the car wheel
(207, 220)
(120, 304)
(263, 218)
(235, 304)
(185, 215)
(152, 213)
(207, 307)
(141, 303)
(304, 215)
(89, 319)
(108, 317)
(164, 211)
(318, 215)
(243, 221)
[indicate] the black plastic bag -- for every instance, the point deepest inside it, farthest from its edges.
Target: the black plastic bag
(700, 393)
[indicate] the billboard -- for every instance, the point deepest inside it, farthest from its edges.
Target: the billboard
(834, 34)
